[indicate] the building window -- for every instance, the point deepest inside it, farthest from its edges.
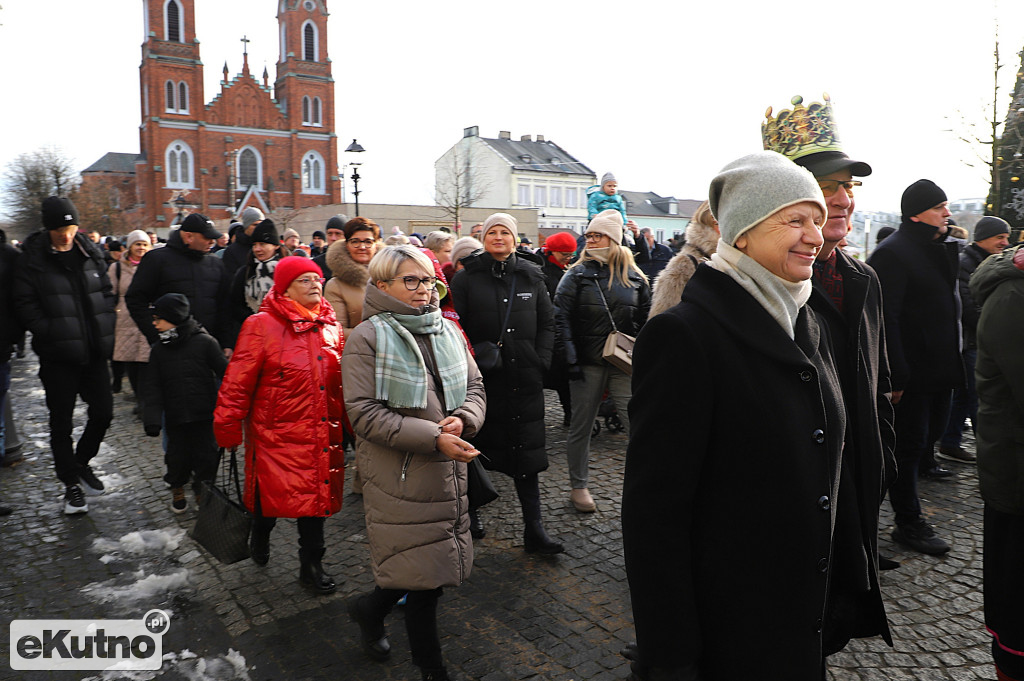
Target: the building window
(316, 111)
(523, 197)
(182, 97)
(284, 41)
(249, 169)
(169, 91)
(311, 108)
(172, 22)
(540, 196)
(313, 173)
(176, 97)
(556, 225)
(305, 110)
(570, 197)
(178, 164)
(659, 236)
(310, 48)
(556, 197)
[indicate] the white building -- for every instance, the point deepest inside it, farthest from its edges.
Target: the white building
(504, 173)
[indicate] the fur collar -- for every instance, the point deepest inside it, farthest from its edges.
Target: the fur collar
(703, 239)
(344, 268)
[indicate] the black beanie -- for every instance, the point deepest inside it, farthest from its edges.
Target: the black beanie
(173, 307)
(921, 196)
(114, 245)
(59, 212)
(990, 226)
(336, 222)
(265, 233)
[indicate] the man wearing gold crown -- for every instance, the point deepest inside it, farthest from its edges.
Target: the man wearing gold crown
(847, 298)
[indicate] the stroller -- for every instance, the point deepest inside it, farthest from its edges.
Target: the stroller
(610, 415)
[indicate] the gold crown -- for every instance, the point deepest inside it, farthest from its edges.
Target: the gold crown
(804, 130)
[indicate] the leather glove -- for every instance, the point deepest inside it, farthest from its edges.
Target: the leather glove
(152, 430)
(575, 372)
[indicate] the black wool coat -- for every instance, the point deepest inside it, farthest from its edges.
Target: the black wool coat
(513, 433)
(182, 377)
(68, 310)
(731, 484)
(857, 333)
(581, 317)
(175, 268)
(10, 327)
(922, 308)
(970, 258)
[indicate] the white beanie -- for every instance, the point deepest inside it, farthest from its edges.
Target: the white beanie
(608, 222)
(501, 219)
(136, 235)
(751, 188)
(250, 215)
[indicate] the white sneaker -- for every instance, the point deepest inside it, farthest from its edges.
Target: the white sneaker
(74, 501)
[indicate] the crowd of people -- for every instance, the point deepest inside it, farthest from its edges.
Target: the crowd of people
(777, 391)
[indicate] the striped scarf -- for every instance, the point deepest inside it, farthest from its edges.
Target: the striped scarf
(401, 370)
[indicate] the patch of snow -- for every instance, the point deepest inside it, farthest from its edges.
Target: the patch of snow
(142, 541)
(144, 588)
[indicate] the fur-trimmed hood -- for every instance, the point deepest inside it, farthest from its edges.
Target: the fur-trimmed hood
(701, 243)
(340, 261)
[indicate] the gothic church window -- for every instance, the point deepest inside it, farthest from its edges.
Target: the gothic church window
(176, 97)
(305, 110)
(248, 168)
(309, 41)
(172, 21)
(315, 120)
(182, 97)
(169, 91)
(313, 173)
(178, 166)
(311, 110)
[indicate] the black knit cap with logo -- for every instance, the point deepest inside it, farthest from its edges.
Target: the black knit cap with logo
(58, 213)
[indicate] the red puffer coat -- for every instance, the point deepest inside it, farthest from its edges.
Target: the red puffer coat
(284, 384)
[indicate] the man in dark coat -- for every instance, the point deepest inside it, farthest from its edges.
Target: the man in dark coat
(917, 269)
(334, 230)
(651, 256)
(63, 297)
(238, 251)
(991, 236)
(184, 266)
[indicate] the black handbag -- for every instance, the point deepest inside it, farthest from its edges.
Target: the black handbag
(222, 524)
(480, 488)
(487, 354)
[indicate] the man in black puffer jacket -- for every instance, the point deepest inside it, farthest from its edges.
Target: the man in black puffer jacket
(184, 267)
(63, 297)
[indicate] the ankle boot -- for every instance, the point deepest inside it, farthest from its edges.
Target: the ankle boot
(476, 527)
(259, 545)
(536, 540)
(434, 674)
(372, 635)
(311, 572)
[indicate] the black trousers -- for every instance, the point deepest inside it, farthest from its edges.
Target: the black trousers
(1004, 589)
(191, 449)
(420, 621)
(920, 421)
(311, 531)
(64, 383)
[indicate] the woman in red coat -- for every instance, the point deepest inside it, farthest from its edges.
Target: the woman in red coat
(282, 395)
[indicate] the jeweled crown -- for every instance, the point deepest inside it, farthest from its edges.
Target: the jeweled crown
(804, 130)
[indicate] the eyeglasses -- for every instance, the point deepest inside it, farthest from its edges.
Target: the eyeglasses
(594, 236)
(362, 243)
(830, 187)
(310, 281)
(413, 283)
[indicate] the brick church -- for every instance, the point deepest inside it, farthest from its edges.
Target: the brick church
(252, 145)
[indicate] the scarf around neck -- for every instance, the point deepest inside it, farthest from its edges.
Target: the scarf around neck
(780, 298)
(400, 367)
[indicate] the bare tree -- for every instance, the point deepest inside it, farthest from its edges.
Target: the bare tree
(30, 178)
(460, 182)
(105, 203)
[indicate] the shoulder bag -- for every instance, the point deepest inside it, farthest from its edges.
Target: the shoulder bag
(488, 353)
(618, 347)
(222, 524)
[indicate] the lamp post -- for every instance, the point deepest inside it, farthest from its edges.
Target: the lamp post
(356, 148)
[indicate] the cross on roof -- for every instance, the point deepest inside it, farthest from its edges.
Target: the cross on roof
(245, 44)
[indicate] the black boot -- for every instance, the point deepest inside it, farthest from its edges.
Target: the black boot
(435, 674)
(476, 528)
(259, 544)
(311, 572)
(372, 635)
(535, 539)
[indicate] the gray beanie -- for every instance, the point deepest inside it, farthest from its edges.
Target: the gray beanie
(751, 188)
(608, 177)
(608, 222)
(250, 215)
(990, 226)
(501, 219)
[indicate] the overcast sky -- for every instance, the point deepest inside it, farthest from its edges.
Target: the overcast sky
(661, 93)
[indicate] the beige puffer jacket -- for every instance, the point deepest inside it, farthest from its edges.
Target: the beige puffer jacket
(347, 287)
(129, 343)
(414, 497)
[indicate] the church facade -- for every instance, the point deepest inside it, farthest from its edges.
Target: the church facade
(253, 144)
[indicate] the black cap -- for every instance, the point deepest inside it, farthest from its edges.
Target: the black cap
(200, 224)
(265, 233)
(919, 197)
(114, 245)
(827, 162)
(59, 212)
(172, 307)
(320, 234)
(336, 222)
(990, 226)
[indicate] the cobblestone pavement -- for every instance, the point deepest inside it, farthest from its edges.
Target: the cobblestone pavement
(517, 617)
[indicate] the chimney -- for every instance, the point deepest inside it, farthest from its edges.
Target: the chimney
(540, 138)
(504, 135)
(525, 138)
(471, 131)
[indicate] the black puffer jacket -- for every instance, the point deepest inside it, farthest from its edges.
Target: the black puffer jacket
(513, 433)
(68, 309)
(582, 318)
(181, 379)
(9, 326)
(198, 276)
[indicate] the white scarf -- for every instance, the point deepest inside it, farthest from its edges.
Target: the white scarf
(782, 299)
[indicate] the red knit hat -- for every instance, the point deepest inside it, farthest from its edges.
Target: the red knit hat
(562, 242)
(291, 268)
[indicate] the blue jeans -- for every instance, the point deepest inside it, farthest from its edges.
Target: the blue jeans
(965, 404)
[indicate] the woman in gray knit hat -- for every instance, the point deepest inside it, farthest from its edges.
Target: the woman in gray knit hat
(735, 454)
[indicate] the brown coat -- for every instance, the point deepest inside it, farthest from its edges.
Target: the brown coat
(347, 288)
(414, 497)
(701, 243)
(129, 343)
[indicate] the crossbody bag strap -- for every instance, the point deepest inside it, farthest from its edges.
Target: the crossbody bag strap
(606, 308)
(508, 310)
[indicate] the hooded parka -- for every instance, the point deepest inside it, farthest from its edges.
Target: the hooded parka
(347, 287)
(282, 397)
(414, 496)
(513, 437)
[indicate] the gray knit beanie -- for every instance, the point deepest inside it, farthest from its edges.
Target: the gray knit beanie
(990, 226)
(250, 215)
(607, 177)
(501, 219)
(751, 188)
(607, 222)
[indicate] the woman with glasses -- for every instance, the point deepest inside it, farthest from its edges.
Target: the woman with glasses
(495, 286)
(349, 261)
(605, 284)
(255, 278)
(413, 393)
(282, 398)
